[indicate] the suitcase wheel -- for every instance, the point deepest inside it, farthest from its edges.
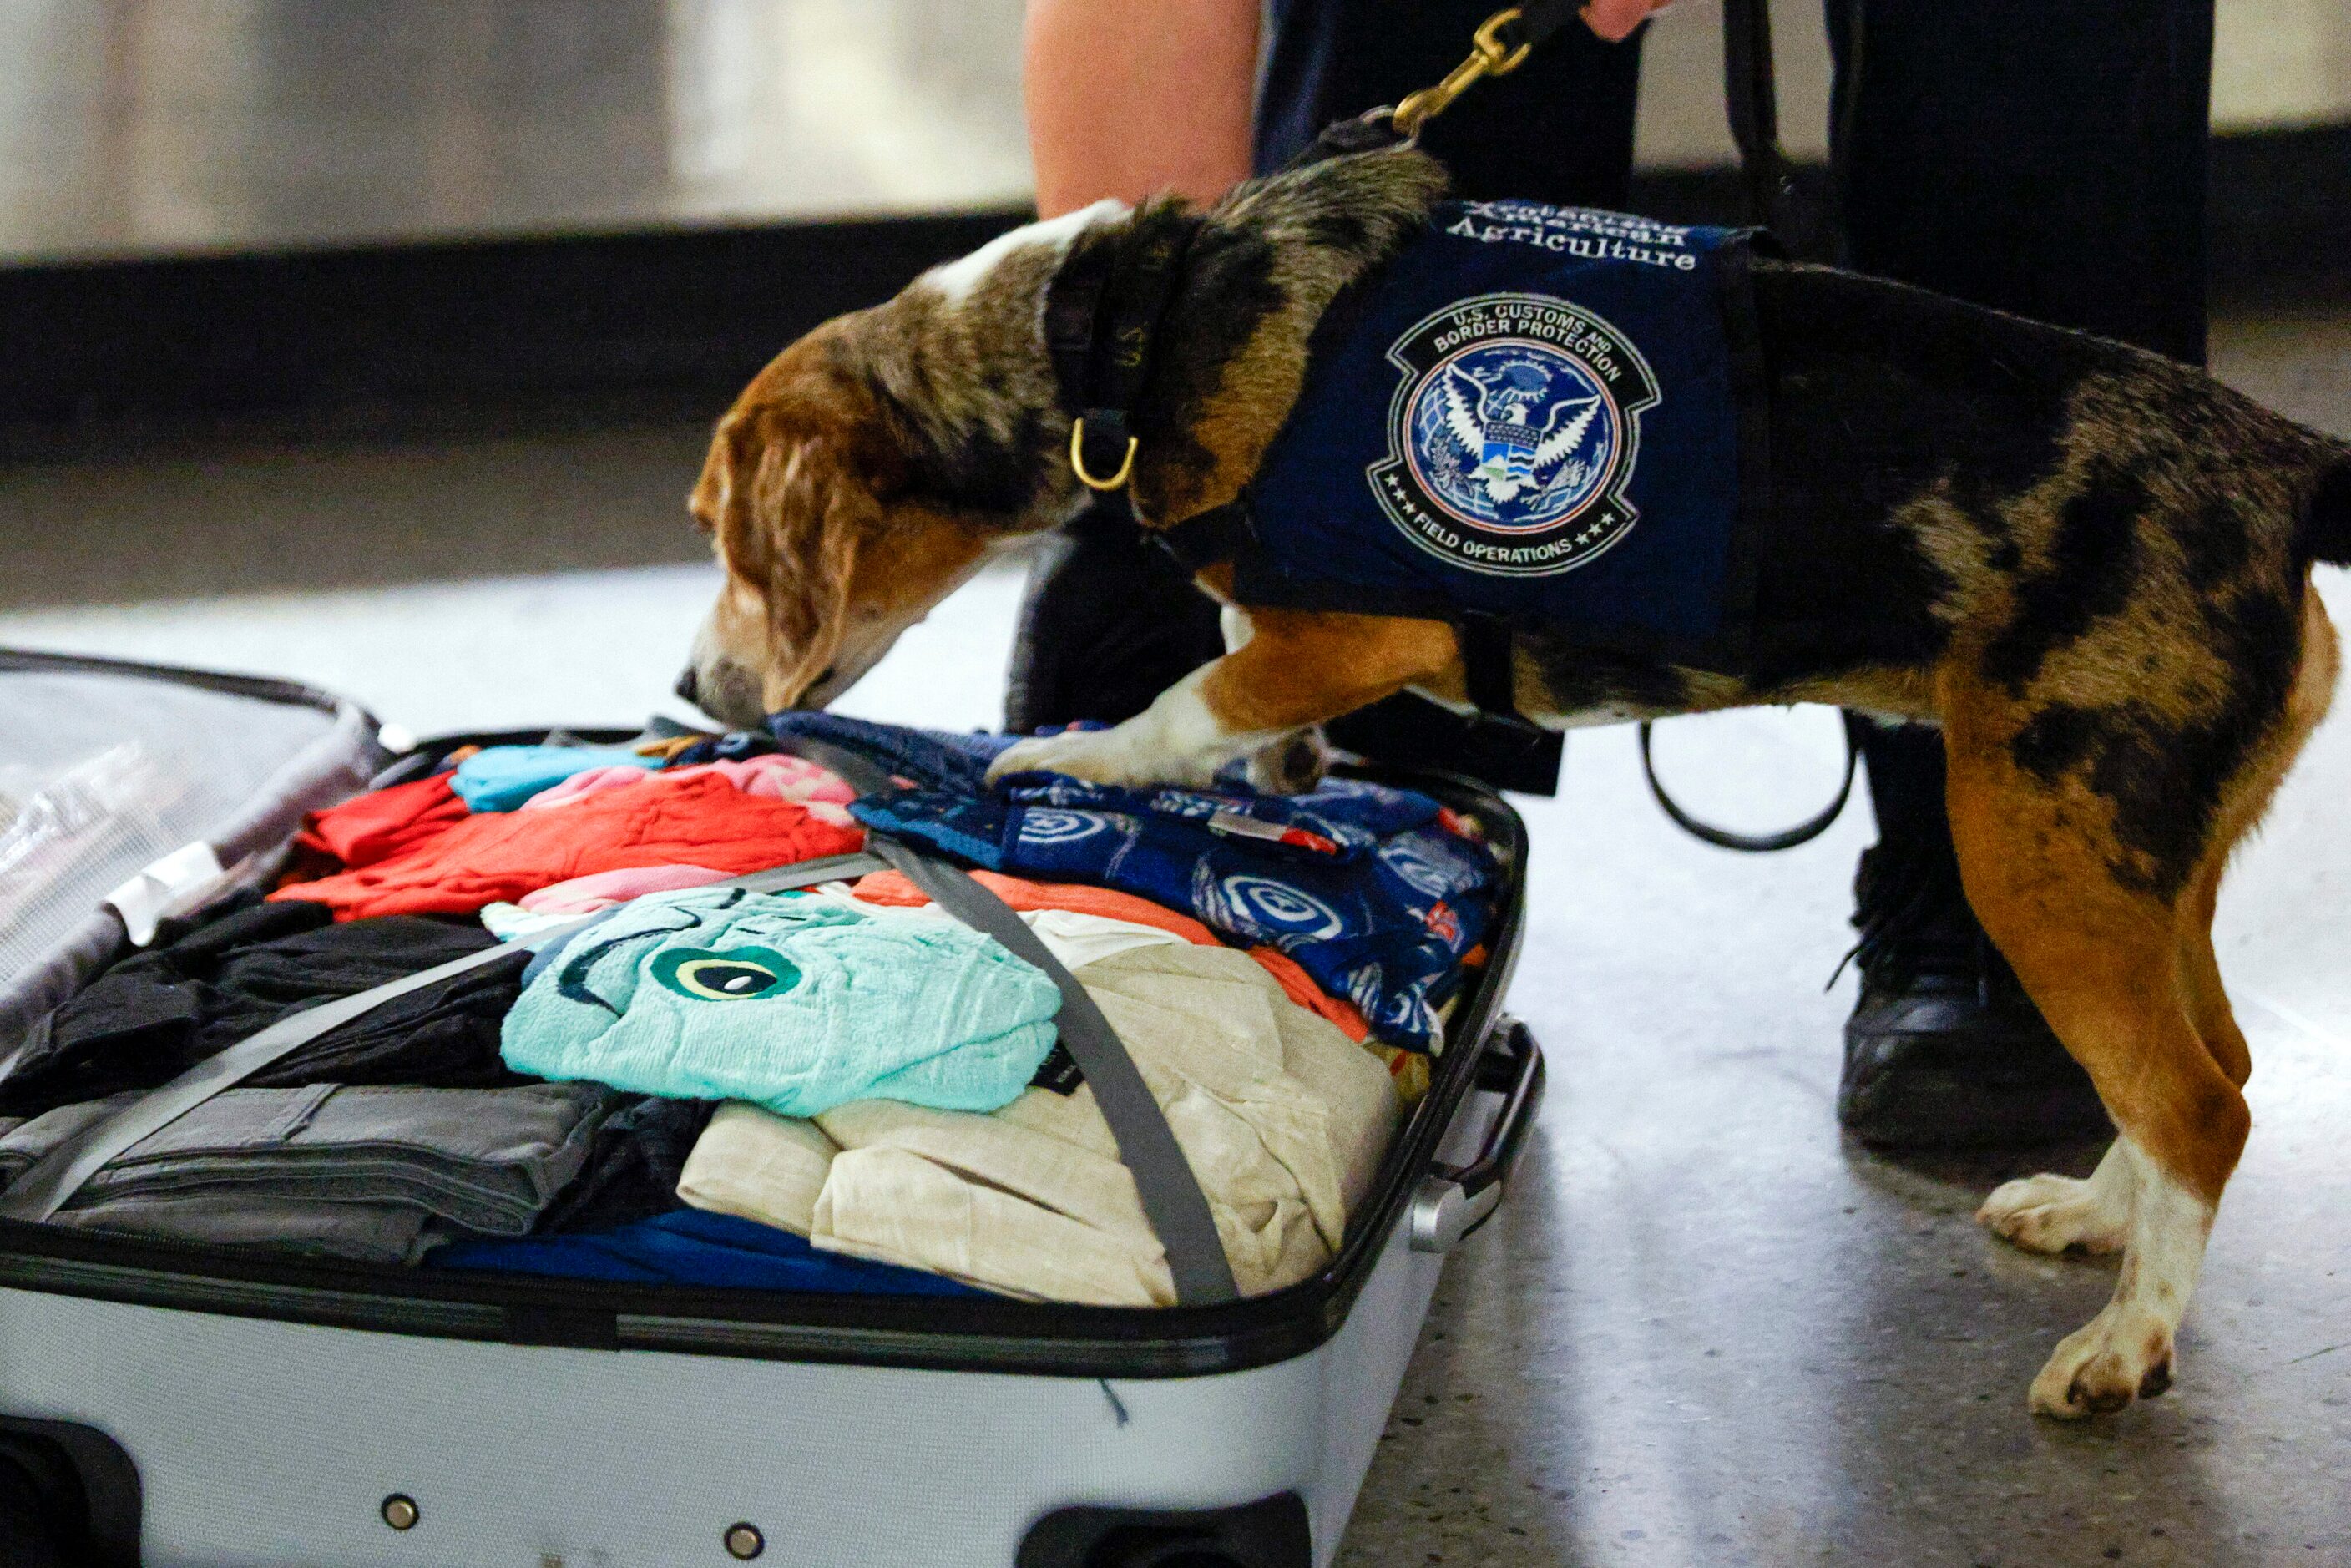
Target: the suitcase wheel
(1270, 1534)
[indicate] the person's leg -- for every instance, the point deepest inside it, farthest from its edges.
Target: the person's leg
(1124, 101)
(1944, 1049)
(2048, 160)
(1107, 623)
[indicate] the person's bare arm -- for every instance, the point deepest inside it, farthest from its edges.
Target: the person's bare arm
(1615, 19)
(1127, 98)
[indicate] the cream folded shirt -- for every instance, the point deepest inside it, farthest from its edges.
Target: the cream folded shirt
(1283, 1119)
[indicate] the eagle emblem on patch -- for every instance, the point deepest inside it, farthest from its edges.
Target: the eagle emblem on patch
(1514, 429)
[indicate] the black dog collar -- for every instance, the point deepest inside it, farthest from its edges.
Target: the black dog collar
(1102, 315)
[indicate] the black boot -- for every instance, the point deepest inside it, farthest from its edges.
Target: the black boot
(1944, 1050)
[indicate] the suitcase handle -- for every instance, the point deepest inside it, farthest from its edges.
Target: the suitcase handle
(1454, 1200)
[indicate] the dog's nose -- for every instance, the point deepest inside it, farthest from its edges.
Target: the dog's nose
(687, 686)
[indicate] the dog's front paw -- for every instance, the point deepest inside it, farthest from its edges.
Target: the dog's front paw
(2057, 1214)
(2123, 1353)
(1293, 764)
(1045, 754)
(1099, 756)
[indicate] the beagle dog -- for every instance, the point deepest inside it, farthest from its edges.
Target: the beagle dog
(2089, 565)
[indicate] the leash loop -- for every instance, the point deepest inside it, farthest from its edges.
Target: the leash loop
(1117, 481)
(1804, 832)
(1490, 55)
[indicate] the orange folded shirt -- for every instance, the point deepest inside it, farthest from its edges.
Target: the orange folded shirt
(412, 856)
(891, 887)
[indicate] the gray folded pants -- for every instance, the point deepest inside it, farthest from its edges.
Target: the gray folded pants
(377, 1175)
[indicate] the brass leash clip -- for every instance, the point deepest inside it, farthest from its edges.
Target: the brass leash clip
(1491, 55)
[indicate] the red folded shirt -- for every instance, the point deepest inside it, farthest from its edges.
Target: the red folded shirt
(372, 827)
(414, 849)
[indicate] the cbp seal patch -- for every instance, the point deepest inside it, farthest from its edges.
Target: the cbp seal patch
(1512, 434)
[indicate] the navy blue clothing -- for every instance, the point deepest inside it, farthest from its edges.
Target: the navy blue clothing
(1378, 893)
(1531, 412)
(691, 1248)
(1982, 150)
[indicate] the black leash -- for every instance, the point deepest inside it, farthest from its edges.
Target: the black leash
(1753, 103)
(1752, 98)
(1804, 832)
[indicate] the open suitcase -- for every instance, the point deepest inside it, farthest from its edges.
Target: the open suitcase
(181, 1407)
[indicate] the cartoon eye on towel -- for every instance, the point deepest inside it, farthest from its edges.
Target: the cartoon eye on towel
(726, 975)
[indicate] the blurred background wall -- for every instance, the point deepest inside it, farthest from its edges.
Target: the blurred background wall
(358, 209)
(138, 127)
(131, 127)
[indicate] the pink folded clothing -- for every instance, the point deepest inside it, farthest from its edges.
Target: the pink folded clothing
(587, 894)
(791, 778)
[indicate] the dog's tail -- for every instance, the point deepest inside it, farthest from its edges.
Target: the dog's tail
(2324, 526)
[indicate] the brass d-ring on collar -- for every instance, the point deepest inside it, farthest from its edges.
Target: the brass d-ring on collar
(1078, 462)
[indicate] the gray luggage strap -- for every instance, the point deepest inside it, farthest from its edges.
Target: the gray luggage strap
(1163, 1179)
(49, 1183)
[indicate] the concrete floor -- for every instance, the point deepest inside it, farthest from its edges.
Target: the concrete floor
(1704, 1331)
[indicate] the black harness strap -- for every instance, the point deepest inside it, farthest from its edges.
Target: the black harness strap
(1210, 538)
(1487, 667)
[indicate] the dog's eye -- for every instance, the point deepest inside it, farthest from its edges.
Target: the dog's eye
(823, 676)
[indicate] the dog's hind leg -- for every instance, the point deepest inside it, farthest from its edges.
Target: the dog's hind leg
(2053, 1214)
(2102, 960)
(2124, 970)
(2199, 969)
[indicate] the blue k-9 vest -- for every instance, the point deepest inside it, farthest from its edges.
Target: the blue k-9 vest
(1539, 415)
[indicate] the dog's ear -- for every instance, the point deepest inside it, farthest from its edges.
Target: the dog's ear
(791, 517)
(824, 515)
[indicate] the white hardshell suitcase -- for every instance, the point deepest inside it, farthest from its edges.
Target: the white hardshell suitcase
(178, 1408)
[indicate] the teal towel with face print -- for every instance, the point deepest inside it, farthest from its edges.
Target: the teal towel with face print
(797, 1004)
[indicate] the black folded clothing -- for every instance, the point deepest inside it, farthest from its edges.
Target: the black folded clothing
(632, 1168)
(159, 1012)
